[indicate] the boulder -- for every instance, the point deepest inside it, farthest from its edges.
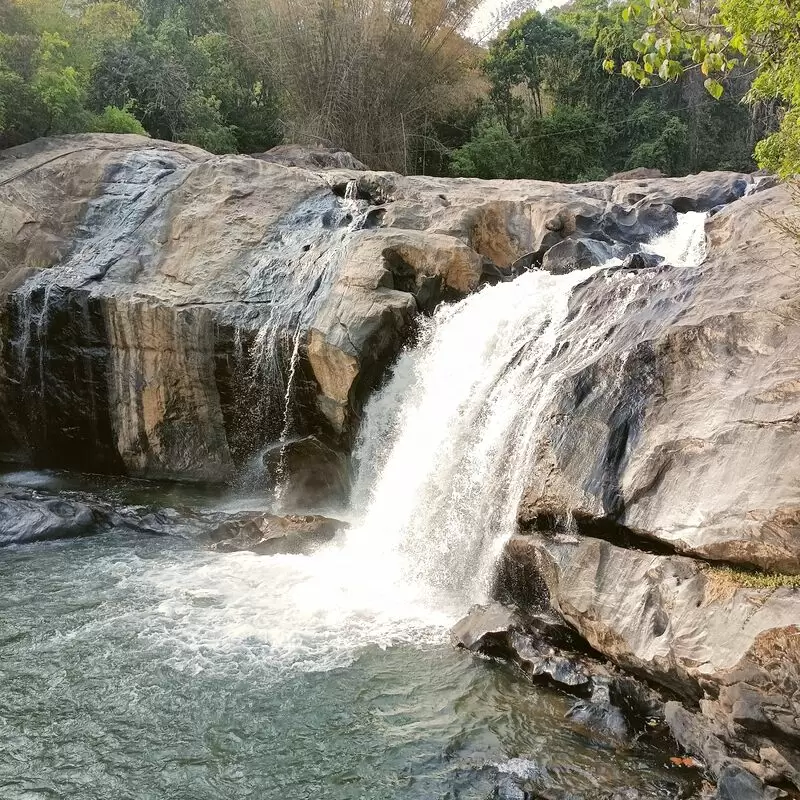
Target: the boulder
(636, 174)
(267, 534)
(549, 651)
(675, 416)
(27, 516)
(599, 716)
(700, 192)
(571, 254)
(318, 157)
(307, 472)
(691, 628)
(638, 261)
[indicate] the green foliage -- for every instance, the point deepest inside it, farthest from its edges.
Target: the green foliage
(117, 120)
(166, 68)
(780, 153)
(566, 145)
(567, 114)
(739, 577)
(490, 153)
(662, 140)
(533, 51)
(761, 34)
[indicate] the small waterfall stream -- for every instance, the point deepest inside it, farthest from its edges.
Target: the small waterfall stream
(289, 280)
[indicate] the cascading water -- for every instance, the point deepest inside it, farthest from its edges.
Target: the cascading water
(460, 416)
(451, 435)
(289, 280)
(685, 244)
(443, 455)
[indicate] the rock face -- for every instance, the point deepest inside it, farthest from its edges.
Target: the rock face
(680, 426)
(731, 650)
(572, 254)
(169, 313)
(292, 155)
(666, 454)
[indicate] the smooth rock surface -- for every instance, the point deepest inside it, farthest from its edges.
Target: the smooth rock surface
(169, 313)
(292, 155)
(572, 254)
(547, 650)
(29, 517)
(680, 422)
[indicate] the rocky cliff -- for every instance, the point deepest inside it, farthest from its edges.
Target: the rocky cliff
(662, 514)
(169, 313)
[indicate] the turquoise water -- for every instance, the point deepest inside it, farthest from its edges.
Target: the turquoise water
(146, 667)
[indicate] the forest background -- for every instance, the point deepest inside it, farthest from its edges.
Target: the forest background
(577, 93)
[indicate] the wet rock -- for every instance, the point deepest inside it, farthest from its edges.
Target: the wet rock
(485, 628)
(185, 522)
(309, 473)
(267, 534)
(535, 642)
(492, 274)
(638, 261)
(681, 427)
(29, 517)
(139, 278)
(736, 783)
(700, 192)
(547, 650)
(692, 629)
(599, 716)
(573, 254)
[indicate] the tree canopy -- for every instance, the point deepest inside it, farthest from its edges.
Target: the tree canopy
(397, 83)
(764, 35)
(557, 115)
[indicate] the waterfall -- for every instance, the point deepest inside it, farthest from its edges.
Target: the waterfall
(459, 417)
(444, 452)
(288, 280)
(445, 447)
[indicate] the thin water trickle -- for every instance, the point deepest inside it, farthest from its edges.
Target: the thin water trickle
(289, 278)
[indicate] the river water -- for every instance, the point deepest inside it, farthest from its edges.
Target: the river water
(146, 667)
(149, 667)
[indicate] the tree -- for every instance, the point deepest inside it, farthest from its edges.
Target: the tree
(535, 51)
(490, 153)
(165, 67)
(681, 35)
(365, 75)
(569, 119)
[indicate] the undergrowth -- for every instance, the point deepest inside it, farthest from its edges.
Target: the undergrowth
(752, 579)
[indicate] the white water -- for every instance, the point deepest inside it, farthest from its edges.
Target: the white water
(685, 244)
(442, 453)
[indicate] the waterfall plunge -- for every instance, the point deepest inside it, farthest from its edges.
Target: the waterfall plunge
(445, 447)
(443, 454)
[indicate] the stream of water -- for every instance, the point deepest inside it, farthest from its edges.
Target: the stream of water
(148, 667)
